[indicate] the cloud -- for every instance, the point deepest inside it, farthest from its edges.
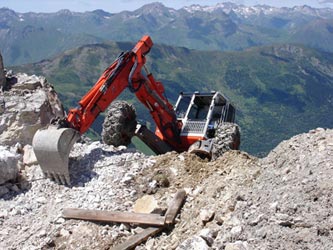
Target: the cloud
(325, 1)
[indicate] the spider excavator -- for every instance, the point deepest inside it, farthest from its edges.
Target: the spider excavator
(194, 123)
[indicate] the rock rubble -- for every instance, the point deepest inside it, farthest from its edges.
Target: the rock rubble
(282, 201)
(236, 202)
(9, 165)
(100, 181)
(28, 103)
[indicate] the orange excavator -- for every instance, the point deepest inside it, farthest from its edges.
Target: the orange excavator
(192, 124)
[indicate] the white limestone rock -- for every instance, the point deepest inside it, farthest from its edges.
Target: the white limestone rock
(8, 165)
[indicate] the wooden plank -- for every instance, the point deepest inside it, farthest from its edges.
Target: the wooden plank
(174, 207)
(139, 238)
(170, 216)
(109, 216)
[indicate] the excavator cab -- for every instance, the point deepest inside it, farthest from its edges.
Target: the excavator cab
(201, 113)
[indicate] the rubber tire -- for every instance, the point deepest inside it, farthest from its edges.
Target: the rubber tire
(227, 137)
(119, 124)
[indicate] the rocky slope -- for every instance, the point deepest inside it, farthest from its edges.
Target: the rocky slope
(282, 201)
(26, 104)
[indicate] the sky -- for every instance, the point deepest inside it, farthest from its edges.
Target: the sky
(120, 5)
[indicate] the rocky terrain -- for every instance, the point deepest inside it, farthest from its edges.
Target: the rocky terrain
(237, 202)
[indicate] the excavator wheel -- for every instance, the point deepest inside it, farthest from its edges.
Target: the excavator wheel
(227, 137)
(119, 124)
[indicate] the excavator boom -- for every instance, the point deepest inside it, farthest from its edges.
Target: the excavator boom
(52, 145)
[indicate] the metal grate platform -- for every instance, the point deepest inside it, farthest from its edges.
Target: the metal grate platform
(194, 127)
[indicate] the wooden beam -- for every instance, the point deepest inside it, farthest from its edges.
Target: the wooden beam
(119, 217)
(174, 207)
(158, 222)
(139, 238)
(170, 216)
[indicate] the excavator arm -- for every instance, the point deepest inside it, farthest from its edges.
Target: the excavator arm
(127, 71)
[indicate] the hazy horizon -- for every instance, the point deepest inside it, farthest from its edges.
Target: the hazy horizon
(115, 7)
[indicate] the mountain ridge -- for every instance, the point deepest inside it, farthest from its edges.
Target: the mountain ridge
(224, 26)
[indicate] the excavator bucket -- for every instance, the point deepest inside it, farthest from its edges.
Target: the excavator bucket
(52, 147)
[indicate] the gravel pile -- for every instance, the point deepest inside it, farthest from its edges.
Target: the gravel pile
(283, 201)
(31, 218)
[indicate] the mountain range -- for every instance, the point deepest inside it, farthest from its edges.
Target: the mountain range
(31, 37)
(278, 90)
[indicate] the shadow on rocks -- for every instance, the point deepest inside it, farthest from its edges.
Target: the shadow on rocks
(11, 189)
(82, 168)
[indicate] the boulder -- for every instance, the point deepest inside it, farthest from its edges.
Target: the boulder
(146, 204)
(28, 104)
(29, 157)
(206, 215)
(238, 245)
(8, 165)
(194, 242)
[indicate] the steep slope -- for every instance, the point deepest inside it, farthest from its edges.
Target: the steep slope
(279, 91)
(282, 201)
(317, 33)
